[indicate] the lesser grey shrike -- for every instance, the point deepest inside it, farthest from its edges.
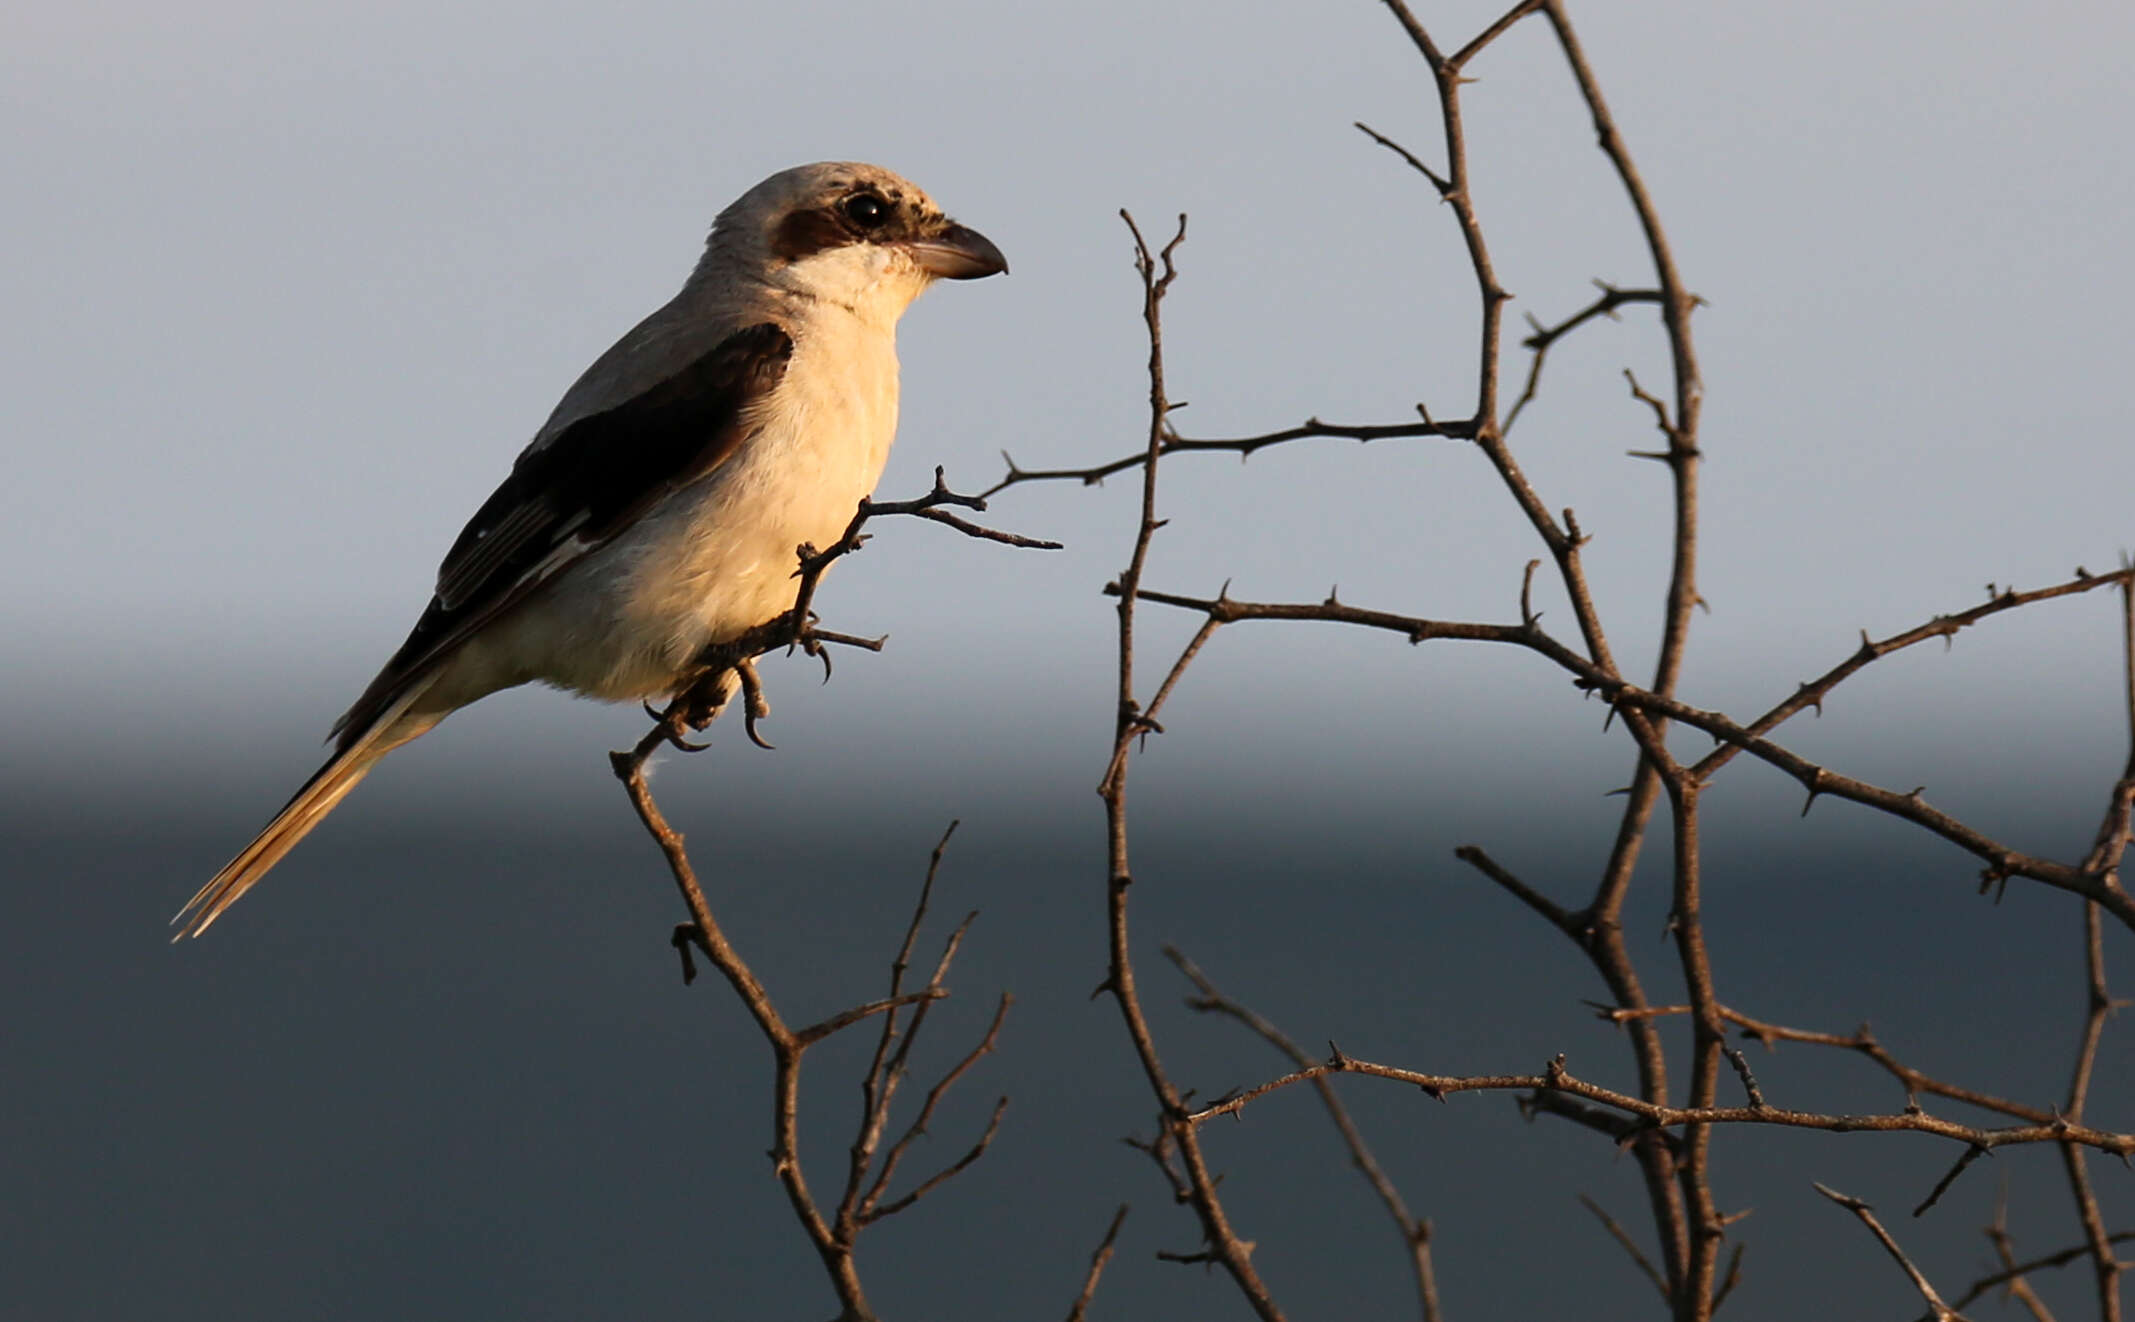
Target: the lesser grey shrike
(657, 512)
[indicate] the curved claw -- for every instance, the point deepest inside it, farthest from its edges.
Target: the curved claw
(754, 706)
(813, 646)
(748, 727)
(675, 737)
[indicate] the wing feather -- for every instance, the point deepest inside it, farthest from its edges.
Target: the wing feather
(575, 490)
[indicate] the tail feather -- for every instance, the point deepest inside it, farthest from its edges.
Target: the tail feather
(319, 796)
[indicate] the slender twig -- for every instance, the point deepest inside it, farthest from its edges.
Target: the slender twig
(1543, 337)
(2013, 1272)
(834, 1236)
(879, 1085)
(869, 1210)
(1672, 1141)
(1949, 1178)
(2012, 1276)
(1942, 1312)
(2098, 1004)
(1177, 1147)
(786, 1047)
(1861, 1040)
(2002, 860)
(1415, 1231)
(1557, 1079)
(1729, 1281)
(1628, 1244)
(1243, 446)
(1601, 934)
(1811, 694)
(1098, 1260)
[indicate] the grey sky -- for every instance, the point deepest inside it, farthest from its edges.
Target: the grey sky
(288, 287)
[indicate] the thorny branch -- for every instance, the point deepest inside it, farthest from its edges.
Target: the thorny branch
(1671, 1140)
(1646, 1116)
(1098, 1260)
(833, 1237)
(2003, 861)
(1941, 1311)
(869, 1170)
(1177, 1146)
(1415, 1231)
(1863, 1041)
(2013, 1272)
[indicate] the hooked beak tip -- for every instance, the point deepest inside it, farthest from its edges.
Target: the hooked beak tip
(959, 253)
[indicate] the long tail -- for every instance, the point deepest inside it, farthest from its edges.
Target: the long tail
(326, 788)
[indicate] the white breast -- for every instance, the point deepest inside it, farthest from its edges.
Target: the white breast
(716, 558)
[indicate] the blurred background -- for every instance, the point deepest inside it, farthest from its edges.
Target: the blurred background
(289, 286)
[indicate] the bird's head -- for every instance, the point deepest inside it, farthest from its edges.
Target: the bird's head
(851, 234)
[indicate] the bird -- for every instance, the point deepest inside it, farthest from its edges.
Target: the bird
(659, 510)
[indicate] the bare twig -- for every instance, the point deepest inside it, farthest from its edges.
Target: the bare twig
(1243, 446)
(2098, 1004)
(2002, 860)
(2018, 1288)
(1861, 1040)
(2013, 1272)
(869, 1211)
(1811, 694)
(1556, 1079)
(1629, 1245)
(1415, 1231)
(834, 1236)
(1949, 1178)
(1543, 337)
(1177, 1147)
(1098, 1260)
(786, 1047)
(1942, 1312)
(1672, 1139)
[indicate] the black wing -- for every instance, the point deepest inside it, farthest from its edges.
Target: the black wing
(586, 484)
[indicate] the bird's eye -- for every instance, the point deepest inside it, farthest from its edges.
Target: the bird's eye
(866, 210)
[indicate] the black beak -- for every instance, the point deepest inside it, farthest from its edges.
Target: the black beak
(958, 253)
